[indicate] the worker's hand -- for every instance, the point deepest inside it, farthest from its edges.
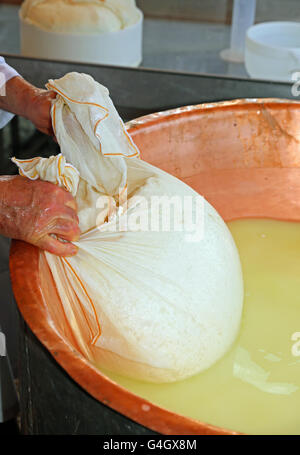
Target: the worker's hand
(38, 110)
(33, 103)
(37, 212)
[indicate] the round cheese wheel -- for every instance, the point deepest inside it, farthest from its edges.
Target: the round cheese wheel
(80, 16)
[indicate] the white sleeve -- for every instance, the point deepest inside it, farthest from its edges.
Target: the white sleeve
(6, 73)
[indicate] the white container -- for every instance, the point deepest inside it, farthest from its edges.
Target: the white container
(123, 47)
(273, 50)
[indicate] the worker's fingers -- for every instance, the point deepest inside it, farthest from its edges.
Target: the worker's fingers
(52, 94)
(62, 213)
(64, 197)
(68, 230)
(48, 131)
(57, 247)
(71, 203)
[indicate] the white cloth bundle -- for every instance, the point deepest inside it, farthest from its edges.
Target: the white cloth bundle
(149, 304)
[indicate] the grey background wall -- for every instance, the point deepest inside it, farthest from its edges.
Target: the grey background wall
(212, 10)
(219, 10)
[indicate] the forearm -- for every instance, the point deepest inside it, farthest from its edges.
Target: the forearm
(18, 96)
(8, 205)
(28, 101)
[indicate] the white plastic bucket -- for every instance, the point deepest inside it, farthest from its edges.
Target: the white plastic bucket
(273, 50)
(123, 47)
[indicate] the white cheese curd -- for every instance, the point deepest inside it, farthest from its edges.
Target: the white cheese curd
(80, 16)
